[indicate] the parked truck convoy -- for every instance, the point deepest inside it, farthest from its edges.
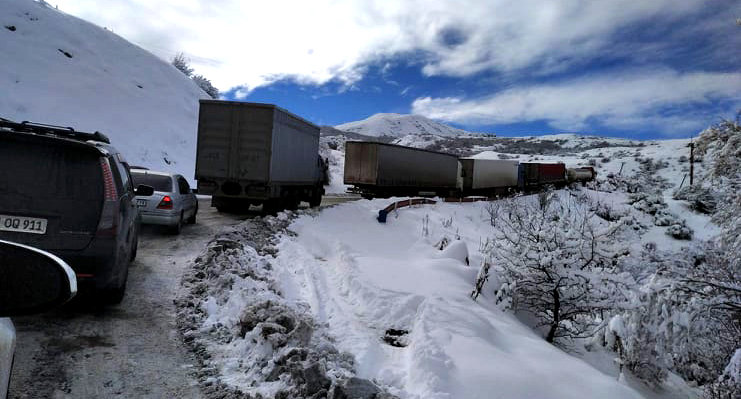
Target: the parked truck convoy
(383, 170)
(378, 169)
(257, 154)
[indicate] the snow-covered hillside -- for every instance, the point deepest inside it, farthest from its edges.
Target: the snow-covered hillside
(58, 69)
(398, 125)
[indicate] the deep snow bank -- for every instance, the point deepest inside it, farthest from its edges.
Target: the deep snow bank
(59, 69)
(365, 279)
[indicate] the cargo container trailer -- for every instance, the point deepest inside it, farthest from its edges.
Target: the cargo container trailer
(257, 154)
(488, 177)
(532, 176)
(384, 170)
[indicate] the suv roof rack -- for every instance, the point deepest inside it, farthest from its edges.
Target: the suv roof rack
(44, 129)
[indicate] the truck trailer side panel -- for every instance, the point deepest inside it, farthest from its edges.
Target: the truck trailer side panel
(258, 143)
(392, 166)
(251, 146)
(295, 145)
(480, 174)
(361, 163)
(411, 167)
(233, 144)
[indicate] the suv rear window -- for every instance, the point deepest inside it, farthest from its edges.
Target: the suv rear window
(159, 182)
(51, 179)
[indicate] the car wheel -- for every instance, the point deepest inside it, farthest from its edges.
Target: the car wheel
(114, 296)
(178, 227)
(134, 249)
(192, 219)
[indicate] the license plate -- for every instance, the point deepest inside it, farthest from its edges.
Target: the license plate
(23, 224)
(141, 202)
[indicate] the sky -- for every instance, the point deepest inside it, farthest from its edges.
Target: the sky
(629, 68)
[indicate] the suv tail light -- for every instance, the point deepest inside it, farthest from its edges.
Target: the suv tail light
(166, 203)
(109, 215)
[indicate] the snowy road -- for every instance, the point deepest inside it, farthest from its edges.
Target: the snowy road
(129, 350)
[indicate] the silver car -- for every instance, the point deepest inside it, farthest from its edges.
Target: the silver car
(172, 203)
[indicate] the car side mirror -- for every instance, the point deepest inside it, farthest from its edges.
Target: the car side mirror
(33, 280)
(144, 190)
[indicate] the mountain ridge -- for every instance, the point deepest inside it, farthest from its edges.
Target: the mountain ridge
(400, 125)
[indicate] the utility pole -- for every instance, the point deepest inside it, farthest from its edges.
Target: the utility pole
(692, 162)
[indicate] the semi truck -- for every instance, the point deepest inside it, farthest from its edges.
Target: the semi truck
(383, 170)
(257, 154)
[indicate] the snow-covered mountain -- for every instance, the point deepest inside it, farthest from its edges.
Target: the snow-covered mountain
(398, 125)
(58, 69)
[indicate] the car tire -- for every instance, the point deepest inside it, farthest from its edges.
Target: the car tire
(175, 230)
(114, 296)
(134, 249)
(192, 219)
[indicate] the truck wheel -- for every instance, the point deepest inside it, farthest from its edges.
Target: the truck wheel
(271, 207)
(291, 202)
(316, 199)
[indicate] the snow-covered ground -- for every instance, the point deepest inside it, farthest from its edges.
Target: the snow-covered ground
(318, 297)
(58, 69)
(364, 278)
(386, 296)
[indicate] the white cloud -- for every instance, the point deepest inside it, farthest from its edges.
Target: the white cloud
(658, 98)
(250, 43)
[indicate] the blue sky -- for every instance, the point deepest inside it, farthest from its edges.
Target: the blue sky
(631, 68)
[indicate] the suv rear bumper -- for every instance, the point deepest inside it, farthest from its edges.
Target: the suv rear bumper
(165, 218)
(97, 266)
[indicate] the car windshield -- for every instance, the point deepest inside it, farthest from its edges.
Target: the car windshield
(159, 182)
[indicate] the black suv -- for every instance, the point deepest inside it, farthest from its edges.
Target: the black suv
(70, 193)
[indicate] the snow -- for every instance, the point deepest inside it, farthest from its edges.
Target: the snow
(733, 370)
(147, 108)
(355, 278)
(7, 349)
(399, 125)
(362, 278)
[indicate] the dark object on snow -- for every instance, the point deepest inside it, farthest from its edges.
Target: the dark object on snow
(383, 213)
(401, 204)
(394, 337)
(355, 388)
(68, 55)
(10, 28)
(532, 176)
(315, 379)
